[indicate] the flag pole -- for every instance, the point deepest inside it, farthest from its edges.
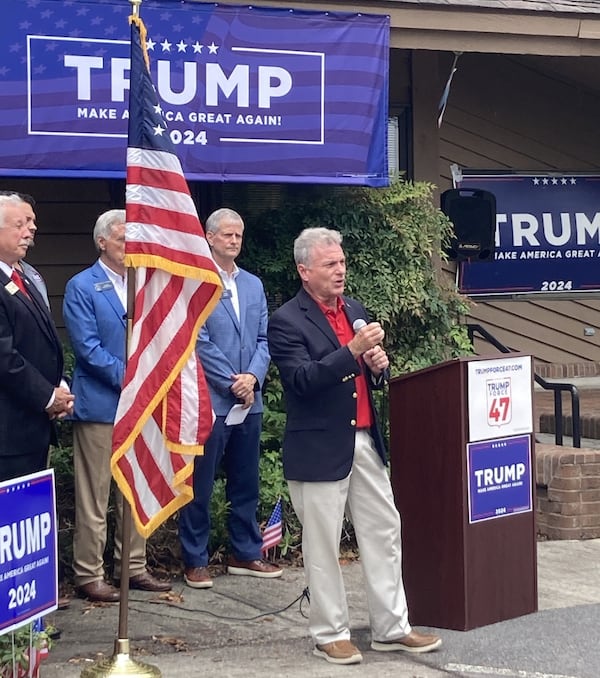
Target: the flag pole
(121, 664)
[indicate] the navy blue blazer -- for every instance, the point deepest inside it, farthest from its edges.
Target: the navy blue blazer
(95, 321)
(318, 376)
(31, 364)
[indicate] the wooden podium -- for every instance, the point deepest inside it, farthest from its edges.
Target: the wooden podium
(464, 568)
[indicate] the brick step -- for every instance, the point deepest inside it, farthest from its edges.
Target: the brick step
(568, 492)
(590, 425)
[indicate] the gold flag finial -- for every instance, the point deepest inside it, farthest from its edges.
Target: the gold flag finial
(135, 7)
(134, 18)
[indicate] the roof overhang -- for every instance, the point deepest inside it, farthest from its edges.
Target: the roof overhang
(468, 28)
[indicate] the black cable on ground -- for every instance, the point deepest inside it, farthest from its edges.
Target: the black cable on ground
(305, 595)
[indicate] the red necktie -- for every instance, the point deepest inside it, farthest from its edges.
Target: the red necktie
(18, 281)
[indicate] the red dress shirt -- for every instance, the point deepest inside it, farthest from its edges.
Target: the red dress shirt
(343, 331)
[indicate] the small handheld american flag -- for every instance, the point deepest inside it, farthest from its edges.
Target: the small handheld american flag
(272, 533)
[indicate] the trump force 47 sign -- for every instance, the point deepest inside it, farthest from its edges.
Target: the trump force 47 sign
(499, 397)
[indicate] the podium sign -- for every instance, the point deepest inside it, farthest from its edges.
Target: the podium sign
(499, 475)
(500, 398)
(461, 447)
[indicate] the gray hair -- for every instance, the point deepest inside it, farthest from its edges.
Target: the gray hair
(11, 199)
(214, 220)
(104, 224)
(24, 197)
(310, 238)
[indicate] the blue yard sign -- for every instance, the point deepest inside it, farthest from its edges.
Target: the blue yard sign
(28, 549)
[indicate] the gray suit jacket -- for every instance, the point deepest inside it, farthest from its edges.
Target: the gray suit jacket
(35, 277)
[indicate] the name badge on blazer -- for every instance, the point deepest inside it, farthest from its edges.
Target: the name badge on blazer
(226, 294)
(103, 286)
(11, 287)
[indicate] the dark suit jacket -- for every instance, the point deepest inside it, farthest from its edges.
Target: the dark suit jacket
(31, 363)
(318, 375)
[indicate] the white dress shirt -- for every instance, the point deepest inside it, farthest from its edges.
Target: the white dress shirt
(230, 286)
(119, 283)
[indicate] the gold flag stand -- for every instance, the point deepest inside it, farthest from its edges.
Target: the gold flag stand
(121, 664)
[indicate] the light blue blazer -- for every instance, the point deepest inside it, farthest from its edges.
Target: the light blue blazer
(95, 321)
(227, 347)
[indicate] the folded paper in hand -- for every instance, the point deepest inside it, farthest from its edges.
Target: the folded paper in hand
(236, 415)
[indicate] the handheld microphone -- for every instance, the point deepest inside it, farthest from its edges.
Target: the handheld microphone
(358, 324)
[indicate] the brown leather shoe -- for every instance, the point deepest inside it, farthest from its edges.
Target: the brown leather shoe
(198, 577)
(146, 582)
(99, 591)
(339, 652)
(414, 642)
(253, 568)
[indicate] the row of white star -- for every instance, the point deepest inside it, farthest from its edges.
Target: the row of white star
(181, 46)
(554, 181)
(16, 488)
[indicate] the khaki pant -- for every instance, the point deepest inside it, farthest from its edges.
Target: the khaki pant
(366, 497)
(92, 449)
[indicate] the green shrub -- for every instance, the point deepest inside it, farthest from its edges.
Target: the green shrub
(15, 649)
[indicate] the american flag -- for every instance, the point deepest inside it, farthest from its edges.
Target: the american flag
(272, 533)
(164, 414)
(38, 650)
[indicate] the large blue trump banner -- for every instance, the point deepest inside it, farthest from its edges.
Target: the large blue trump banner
(547, 236)
(248, 93)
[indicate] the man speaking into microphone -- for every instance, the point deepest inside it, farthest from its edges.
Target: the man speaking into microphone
(330, 358)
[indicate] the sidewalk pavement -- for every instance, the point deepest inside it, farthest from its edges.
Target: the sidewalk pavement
(245, 627)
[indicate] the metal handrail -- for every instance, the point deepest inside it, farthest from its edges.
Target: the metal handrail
(557, 387)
